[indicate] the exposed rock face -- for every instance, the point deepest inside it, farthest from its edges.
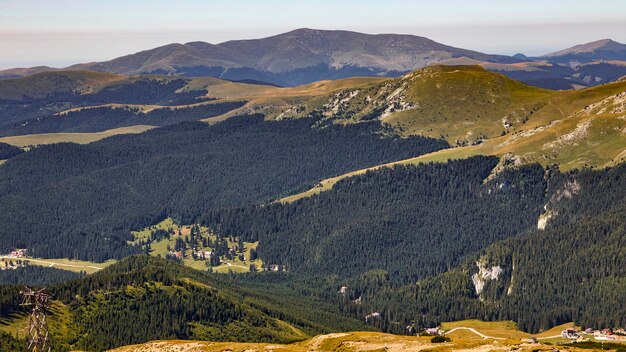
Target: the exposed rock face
(483, 275)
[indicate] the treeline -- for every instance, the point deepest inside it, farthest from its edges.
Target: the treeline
(105, 118)
(410, 221)
(82, 201)
(142, 91)
(8, 151)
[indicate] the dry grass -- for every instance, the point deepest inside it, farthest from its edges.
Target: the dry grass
(80, 138)
(67, 264)
(500, 329)
(344, 342)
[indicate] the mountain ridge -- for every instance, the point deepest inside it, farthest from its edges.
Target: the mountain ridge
(590, 47)
(283, 57)
(307, 55)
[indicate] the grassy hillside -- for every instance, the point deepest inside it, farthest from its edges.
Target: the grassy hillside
(31, 140)
(459, 103)
(375, 341)
(574, 129)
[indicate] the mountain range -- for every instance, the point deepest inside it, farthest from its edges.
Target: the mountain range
(307, 55)
(226, 209)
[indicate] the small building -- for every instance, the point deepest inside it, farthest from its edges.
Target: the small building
(18, 253)
(205, 255)
(433, 331)
(343, 290)
(570, 334)
(177, 254)
(372, 316)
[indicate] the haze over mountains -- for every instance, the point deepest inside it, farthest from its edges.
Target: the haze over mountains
(307, 55)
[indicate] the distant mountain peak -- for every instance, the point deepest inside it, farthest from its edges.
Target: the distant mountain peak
(300, 56)
(605, 45)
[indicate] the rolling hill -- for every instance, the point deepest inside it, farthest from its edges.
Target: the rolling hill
(573, 129)
(102, 310)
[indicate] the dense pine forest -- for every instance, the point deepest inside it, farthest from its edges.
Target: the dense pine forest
(8, 151)
(411, 221)
(91, 196)
(571, 271)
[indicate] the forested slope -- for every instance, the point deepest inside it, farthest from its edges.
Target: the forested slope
(411, 221)
(571, 271)
(144, 298)
(82, 201)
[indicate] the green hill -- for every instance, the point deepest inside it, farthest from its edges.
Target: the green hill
(145, 298)
(463, 104)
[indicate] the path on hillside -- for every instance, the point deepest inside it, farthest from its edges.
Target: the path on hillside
(493, 337)
(475, 332)
(547, 337)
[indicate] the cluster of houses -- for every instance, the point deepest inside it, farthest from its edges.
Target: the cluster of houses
(17, 253)
(197, 255)
(202, 255)
(598, 335)
(14, 254)
(573, 334)
(610, 335)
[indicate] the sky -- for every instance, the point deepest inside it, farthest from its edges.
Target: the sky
(63, 32)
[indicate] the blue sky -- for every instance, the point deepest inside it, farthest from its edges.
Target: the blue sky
(63, 32)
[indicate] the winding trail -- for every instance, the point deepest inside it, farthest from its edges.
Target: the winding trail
(493, 337)
(475, 332)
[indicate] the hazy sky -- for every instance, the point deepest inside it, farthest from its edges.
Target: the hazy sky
(62, 32)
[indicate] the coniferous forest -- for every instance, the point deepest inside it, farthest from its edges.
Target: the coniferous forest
(92, 196)
(541, 283)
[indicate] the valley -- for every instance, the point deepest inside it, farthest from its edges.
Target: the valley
(318, 191)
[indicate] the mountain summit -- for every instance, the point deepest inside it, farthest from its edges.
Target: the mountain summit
(305, 55)
(605, 49)
(297, 57)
